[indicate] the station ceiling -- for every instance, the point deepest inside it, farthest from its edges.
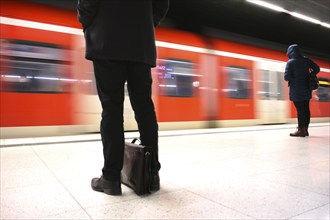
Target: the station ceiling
(250, 20)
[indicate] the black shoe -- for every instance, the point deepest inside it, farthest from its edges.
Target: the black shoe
(106, 186)
(306, 131)
(155, 183)
(299, 133)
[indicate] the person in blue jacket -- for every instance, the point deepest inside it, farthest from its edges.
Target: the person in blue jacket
(297, 73)
(120, 41)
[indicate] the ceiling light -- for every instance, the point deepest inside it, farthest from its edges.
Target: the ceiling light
(325, 24)
(295, 14)
(304, 17)
(268, 5)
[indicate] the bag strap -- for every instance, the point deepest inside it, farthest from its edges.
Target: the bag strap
(147, 173)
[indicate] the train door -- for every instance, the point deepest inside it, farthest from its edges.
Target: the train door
(178, 80)
(236, 105)
(272, 106)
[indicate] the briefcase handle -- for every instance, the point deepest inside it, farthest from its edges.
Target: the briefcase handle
(136, 139)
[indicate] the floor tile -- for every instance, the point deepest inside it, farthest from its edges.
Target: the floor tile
(75, 215)
(261, 199)
(12, 158)
(302, 178)
(321, 165)
(11, 179)
(226, 173)
(176, 205)
(38, 201)
(322, 213)
(81, 190)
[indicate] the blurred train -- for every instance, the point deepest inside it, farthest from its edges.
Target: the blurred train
(48, 88)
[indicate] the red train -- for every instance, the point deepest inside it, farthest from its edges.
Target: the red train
(47, 87)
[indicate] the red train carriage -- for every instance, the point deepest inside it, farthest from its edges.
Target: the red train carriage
(35, 64)
(48, 88)
(179, 78)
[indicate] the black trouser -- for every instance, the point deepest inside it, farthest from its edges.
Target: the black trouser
(304, 114)
(110, 80)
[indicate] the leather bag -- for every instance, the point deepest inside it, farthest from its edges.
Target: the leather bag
(313, 82)
(136, 172)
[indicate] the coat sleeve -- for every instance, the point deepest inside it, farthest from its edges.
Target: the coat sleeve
(159, 8)
(87, 10)
(288, 72)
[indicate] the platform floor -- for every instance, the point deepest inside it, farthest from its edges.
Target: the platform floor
(228, 173)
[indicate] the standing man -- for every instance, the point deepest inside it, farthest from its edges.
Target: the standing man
(297, 72)
(120, 40)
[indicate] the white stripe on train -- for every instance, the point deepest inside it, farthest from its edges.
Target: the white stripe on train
(77, 31)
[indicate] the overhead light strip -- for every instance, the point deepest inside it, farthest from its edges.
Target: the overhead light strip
(294, 14)
(268, 5)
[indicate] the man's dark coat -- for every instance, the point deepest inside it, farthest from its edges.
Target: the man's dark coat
(121, 29)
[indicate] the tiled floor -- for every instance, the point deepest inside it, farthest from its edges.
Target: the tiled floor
(247, 173)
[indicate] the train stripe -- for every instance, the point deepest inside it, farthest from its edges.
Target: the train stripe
(77, 31)
(40, 26)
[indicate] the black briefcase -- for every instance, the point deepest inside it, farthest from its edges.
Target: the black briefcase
(136, 172)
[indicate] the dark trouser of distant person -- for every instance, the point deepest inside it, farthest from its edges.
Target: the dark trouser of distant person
(304, 117)
(111, 77)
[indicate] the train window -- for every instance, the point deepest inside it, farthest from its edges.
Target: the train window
(177, 78)
(34, 67)
(271, 85)
(238, 82)
(323, 92)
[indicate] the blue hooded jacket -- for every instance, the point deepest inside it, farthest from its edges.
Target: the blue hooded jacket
(296, 73)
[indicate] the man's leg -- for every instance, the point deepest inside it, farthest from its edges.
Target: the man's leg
(139, 84)
(110, 79)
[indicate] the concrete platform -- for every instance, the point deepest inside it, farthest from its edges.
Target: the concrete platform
(228, 173)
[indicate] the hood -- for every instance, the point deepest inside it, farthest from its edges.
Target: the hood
(293, 51)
